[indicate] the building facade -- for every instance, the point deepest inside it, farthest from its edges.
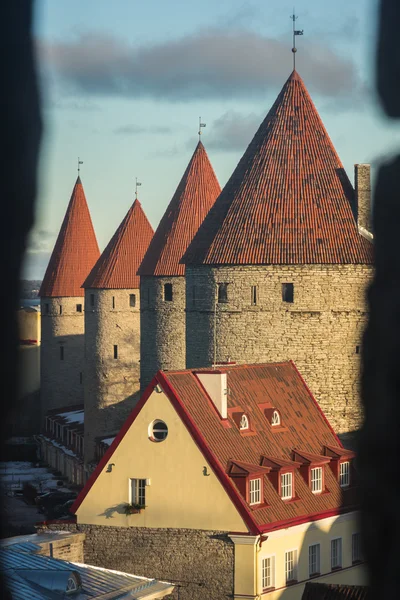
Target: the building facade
(279, 268)
(62, 307)
(112, 330)
(162, 281)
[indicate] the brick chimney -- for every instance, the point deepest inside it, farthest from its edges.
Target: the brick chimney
(362, 184)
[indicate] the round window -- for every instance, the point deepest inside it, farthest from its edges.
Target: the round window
(158, 431)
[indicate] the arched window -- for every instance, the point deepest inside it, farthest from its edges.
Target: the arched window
(244, 422)
(74, 583)
(276, 419)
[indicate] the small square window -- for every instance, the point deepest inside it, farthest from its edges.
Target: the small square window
(168, 292)
(132, 300)
(356, 554)
(81, 377)
(92, 300)
(286, 486)
(47, 308)
(222, 293)
(314, 560)
(336, 553)
(255, 491)
(268, 572)
(113, 301)
(115, 351)
(344, 474)
(79, 308)
(60, 309)
(357, 349)
(291, 566)
(253, 295)
(287, 292)
(61, 352)
(316, 480)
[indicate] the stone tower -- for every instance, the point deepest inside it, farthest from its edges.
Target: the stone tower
(62, 299)
(112, 329)
(162, 277)
(279, 266)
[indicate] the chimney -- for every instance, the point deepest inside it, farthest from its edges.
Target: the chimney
(215, 384)
(362, 184)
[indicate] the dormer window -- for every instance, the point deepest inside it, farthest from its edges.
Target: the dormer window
(286, 486)
(316, 480)
(255, 491)
(275, 419)
(244, 423)
(344, 474)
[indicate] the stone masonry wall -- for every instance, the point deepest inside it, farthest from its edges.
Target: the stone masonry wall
(68, 547)
(60, 379)
(199, 563)
(111, 384)
(320, 331)
(162, 327)
(362, 181)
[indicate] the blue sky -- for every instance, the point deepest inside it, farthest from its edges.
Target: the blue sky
(124, 83)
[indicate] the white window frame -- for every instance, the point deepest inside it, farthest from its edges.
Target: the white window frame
(295, 565)
(264, 580)
(356, 556)
(137, 491)
(338, 563)
(287, 486)
(317, 570)
(276, 418)
(255, 491)
(344, 476)
(244, 423)
(316, 482)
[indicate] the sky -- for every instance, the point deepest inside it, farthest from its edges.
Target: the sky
(123, 85)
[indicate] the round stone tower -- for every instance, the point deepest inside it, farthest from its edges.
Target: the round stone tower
(62, 310)
(112, 330)
(162, 281)
(279, 266)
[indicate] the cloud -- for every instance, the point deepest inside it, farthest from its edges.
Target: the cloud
(138, 129)
(40, 241)
(233, 131)
(213, 63)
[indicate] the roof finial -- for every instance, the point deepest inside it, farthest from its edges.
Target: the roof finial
(295, 32)
(200, 126)
(136, 187)
(80, 162)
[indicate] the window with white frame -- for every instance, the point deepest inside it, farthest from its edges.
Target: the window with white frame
(314, 559)
(336, 553)
(316, 480)
(286, 486)
(356, 554)
(137, 491)
(276, 420)
(344, 474)
(290, 565)
(255, 491)
(268, 572)
(244, 422)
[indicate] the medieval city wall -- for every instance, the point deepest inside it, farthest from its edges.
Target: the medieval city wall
(321, 330)
(112, 354)
(62, 326)
(162, 326)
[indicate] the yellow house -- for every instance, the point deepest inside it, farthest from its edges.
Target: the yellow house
(231, 480)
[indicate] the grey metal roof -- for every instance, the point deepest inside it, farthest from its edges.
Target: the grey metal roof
(40, 577)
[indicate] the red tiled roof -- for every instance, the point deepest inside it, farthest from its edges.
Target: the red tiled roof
(289, 200)
(117, 266)
(194, 196)
(326, 591)
(224, 445)
(75, 251)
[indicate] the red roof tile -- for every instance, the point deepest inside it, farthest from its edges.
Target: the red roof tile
(329, 591)
(117, 266)
(194, 196)
(75, 251)
(289, 200)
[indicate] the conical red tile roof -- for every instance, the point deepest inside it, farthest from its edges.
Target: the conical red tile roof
(194, 196)
(289, 200)
(117, 266)
(75, 251)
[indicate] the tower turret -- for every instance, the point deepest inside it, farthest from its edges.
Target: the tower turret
(112, 329)
(162, 281)
(278, 267)
(62, 299)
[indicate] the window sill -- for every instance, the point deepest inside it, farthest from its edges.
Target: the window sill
(246, 433)
(257, 506)
(334, 569)
(314, 575)
(289, 500)
(292, 582)
(267, 590)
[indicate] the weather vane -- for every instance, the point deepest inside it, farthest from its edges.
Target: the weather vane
(136, 187)
(80, 162)
(200, 126)
(295, 32)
